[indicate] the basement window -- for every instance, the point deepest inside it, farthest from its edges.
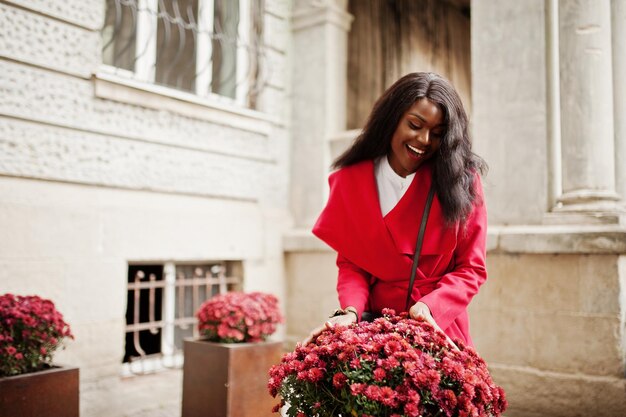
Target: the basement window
(162, 300)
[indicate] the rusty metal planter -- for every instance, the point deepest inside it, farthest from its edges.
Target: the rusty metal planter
(53, 393)
(228, 380)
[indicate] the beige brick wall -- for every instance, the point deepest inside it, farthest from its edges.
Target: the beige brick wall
(550, 325)
(554, 312)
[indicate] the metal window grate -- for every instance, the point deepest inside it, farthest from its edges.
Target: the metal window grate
(207, 47)
(162, 301)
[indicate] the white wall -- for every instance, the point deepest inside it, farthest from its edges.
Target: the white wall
(509, 107)
(90, 181)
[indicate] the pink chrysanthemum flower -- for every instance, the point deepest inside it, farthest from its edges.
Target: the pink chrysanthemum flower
(394, 366)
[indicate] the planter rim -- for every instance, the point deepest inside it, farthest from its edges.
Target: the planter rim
(53, 368)
(231, 345)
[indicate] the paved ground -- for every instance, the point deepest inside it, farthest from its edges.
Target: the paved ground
(173, 411)
(152, 395)
(155, 395)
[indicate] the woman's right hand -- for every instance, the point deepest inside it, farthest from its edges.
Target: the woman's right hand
(341, 320)
(421, 310)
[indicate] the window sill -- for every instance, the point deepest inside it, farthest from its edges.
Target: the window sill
(216, 109)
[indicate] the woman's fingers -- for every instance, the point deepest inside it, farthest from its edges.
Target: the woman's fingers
(311, 335)
(432, 321)
(343, 320)
(420, 309)
(316, 332)
(347, 319)
(436, 326)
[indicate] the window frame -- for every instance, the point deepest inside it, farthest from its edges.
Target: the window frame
(170, 356)
(146, 38)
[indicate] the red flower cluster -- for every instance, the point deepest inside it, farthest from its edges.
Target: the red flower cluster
(30, 330)
(237, 317)
(392, 367)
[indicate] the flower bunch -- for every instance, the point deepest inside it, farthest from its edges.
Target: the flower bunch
(392, 367)
(31, 329)
(237, 317)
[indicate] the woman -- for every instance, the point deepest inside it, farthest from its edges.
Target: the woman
(416, 135)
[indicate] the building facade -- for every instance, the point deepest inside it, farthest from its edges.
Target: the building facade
(114, 167)
(146, 146)
(547, 114)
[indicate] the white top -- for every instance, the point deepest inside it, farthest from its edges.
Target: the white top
(391, 186)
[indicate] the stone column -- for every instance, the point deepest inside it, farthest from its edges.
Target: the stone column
(618, 14)
(588, 159)
(319, 56)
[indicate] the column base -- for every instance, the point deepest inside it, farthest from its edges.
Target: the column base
(584, 218)
(588, 207)
(592, 198)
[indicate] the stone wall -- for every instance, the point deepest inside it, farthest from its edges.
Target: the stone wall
(548, 320)
(97, 172)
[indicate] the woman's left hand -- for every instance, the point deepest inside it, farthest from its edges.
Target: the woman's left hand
(421, 310)
(341, 320)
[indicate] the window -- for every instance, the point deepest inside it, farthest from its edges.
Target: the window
(206, 47)
(161, 305)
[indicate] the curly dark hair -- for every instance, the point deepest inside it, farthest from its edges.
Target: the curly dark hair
(455, 165)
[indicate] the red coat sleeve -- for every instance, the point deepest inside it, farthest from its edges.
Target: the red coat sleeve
(455, 290)
(353, 285)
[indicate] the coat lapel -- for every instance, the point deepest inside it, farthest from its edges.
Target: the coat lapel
(353, 225)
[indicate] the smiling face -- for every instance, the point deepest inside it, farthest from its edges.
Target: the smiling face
(417, 137)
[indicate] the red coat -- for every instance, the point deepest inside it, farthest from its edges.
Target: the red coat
(375, 253)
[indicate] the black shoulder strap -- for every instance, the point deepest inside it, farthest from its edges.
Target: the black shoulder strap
(418, 246)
